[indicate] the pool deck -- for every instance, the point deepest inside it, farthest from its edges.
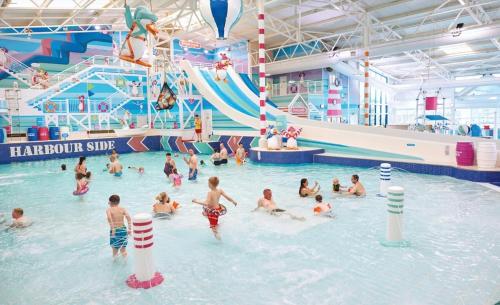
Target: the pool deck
(19, 150)
(471, 173)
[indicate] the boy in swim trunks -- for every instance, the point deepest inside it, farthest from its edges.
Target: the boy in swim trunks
(240, 154)
(212, 209)
(269, 205)
(192, 162)
(118, 233)
(223, 154)
(197, 128)
(115, 167)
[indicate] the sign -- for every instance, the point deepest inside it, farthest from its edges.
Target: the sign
(298, 111)
(190, 44)
(44, 150)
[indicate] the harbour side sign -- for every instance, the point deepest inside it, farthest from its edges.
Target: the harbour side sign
(29, 150)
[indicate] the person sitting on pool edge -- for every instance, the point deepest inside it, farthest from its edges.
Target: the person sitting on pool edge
(304, 191)
(19, 220)
(118, 233)
(357, 189)
(115, 167)
(215, 157)
(223, 154)
(164, 206)
(267, 203)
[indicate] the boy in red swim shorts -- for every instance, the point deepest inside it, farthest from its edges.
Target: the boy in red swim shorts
(212, 209)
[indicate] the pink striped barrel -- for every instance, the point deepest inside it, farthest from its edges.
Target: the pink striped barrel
(465, 153)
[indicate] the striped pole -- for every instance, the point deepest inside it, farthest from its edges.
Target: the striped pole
(334, 110)
(145, 275)
(262, 74)
(385, 178)
(394, 232)
(367, 89)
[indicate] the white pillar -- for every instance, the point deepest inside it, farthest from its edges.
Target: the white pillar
(394, 231)
(145, 275)
(385, 178)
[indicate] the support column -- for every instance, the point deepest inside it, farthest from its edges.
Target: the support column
(366, 53)
(262, 74)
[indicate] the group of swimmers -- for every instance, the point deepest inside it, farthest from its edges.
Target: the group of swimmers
(220, 155)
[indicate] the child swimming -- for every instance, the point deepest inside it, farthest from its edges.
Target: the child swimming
(176, 178)
(140, 170)
(82, 183)
(336, 185)
(322, 209)
(212, 209)
(164, 206)
(118, 233)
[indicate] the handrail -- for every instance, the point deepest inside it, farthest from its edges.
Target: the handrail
(16, 65)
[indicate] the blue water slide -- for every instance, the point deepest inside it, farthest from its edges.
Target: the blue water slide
(60, 50)
(246, 79)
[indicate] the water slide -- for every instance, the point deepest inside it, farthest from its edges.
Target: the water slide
(58, 51)
(238, 101)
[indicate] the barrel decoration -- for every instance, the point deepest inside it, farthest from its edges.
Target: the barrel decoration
(221, 15)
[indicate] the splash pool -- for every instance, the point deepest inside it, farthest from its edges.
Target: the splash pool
(64, 257)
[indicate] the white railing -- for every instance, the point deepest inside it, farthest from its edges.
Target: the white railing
(291, 88)
(17, 66)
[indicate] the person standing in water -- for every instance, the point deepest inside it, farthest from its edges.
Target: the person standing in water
(81, 167)
(192, 162)
(118, 233)
(168, 169)
(212, 209)
(223, 154)
(197, 128)
(240, 155)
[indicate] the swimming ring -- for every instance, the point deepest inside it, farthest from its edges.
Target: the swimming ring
(83, 191)
(213, 214)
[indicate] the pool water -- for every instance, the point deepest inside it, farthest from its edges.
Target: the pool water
(65, 258)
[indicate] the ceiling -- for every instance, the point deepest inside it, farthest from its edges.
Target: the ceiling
(332, 25)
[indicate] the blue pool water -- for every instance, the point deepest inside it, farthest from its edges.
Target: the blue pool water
(64, 257)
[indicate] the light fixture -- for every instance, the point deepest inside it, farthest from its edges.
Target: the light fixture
(456, 49)
(457, 31)
(97, 27)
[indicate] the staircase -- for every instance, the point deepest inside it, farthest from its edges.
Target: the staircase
(17, 69)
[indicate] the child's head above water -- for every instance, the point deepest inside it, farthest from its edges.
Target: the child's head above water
(88, 175)
(336, 181)
(114, 200)
(319, 198)
(213, 182)
(174, 171)
(63, 167)
(161, 197)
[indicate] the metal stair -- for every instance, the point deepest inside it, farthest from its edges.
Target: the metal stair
(17, 69)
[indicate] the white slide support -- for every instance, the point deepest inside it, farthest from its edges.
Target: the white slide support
(431, 148)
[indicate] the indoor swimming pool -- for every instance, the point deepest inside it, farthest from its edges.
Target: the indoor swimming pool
(65, 258)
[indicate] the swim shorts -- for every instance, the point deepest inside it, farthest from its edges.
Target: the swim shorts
(119, 240)
(193, 174)
(213, 214)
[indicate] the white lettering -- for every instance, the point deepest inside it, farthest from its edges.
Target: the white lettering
(67, 148)
(90, 146)
(37, 150)
(15, 151)
(111, 145)
(78, 147)
(58, 148)
(27, 151)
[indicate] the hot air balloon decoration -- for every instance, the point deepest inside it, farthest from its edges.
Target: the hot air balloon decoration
(221, 15)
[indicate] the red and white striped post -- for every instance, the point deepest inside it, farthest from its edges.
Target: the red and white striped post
(334, 110)
(145, 275)
(367, 89)
(262, 74)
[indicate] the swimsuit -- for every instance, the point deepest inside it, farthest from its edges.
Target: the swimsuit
(223, 161)
(177, 180)
(197, 126)
(120, 239)
(168, 169)
(213, 214)
(217, 162)
(193, 173)
(118, 174)
(336, 187)
(278, 211)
